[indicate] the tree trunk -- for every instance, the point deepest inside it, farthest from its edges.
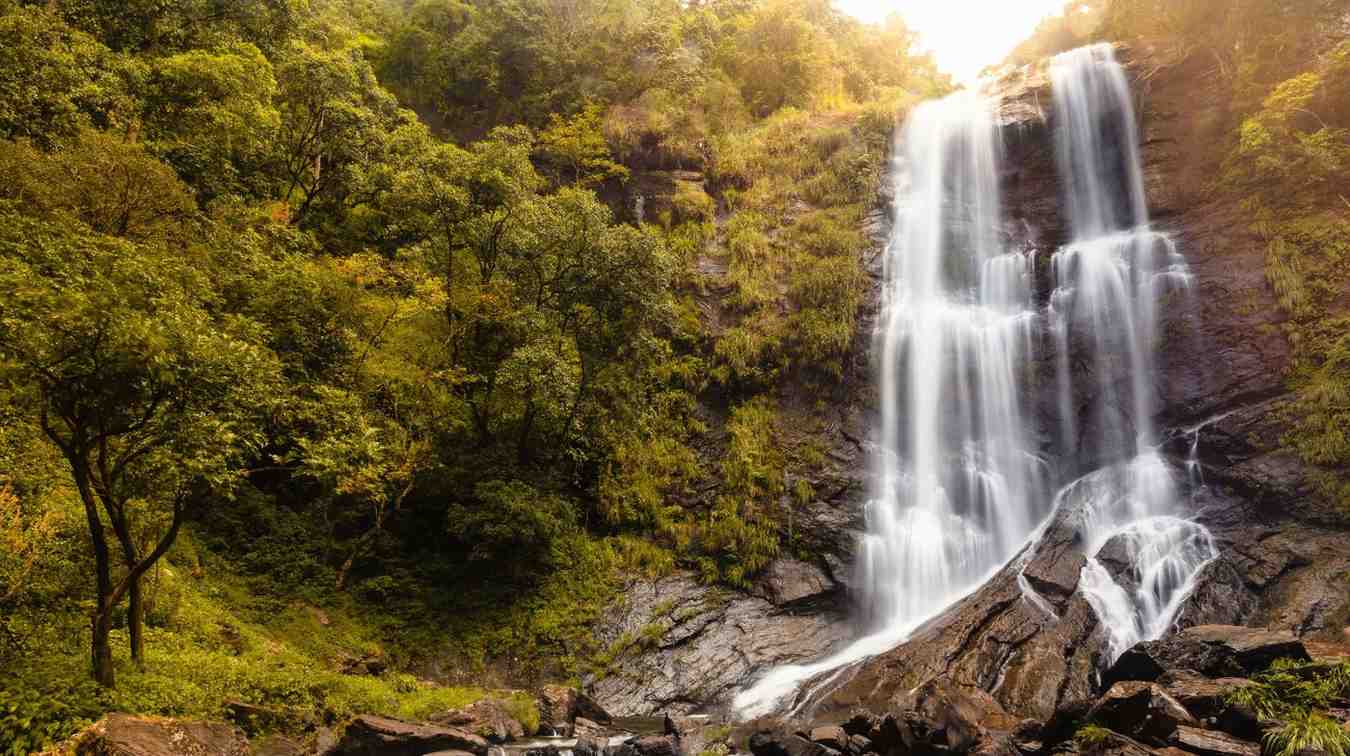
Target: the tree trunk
(101, 620)
(136, 622)
(101, 653)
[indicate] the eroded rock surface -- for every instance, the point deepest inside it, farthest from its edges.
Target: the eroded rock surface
(680, 645)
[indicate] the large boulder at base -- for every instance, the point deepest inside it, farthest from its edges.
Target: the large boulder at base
(487, 718)
(380, 736)
(126, 735)
(1141, 710)
(1211, 650)
(1211, 743)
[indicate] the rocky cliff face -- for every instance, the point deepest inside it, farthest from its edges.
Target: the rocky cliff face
(1285, 561)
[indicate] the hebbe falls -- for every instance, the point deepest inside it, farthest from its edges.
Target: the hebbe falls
(967, 472)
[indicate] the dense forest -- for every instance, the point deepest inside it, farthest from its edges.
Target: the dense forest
(405, 330)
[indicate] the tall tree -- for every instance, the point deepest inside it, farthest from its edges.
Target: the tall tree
(108, 347)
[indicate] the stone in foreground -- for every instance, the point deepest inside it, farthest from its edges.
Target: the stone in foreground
(380, 736)
(127, 735)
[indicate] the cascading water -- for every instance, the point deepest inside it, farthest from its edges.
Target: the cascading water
(960, 483)
(959, 487)
(1103, 312)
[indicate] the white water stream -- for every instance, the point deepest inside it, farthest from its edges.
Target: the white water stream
(961, 482)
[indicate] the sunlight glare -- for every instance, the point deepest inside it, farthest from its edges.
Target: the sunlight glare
(963, 35)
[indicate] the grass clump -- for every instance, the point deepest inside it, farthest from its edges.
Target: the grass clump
(1092, 736)
(1308, 732)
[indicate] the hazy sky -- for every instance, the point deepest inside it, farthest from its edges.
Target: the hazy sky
(964, 35)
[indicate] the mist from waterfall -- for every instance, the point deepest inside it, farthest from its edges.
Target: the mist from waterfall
(961, 479)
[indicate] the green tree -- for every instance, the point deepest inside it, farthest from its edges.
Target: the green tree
(107, 346)
(109, 183)
(210, 115)
(335, 119)
(55, 79)
(577, 149)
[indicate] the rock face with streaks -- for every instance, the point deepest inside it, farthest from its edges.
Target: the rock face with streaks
(680, 645)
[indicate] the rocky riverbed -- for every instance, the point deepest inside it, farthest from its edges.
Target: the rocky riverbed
(1180, 695)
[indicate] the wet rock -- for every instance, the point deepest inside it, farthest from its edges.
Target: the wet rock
(1211, 743)
(1054, 569)
(381, 736)
(487, 718)
(127, 735)
(1141, 710)
(786, 581)
(859, 744)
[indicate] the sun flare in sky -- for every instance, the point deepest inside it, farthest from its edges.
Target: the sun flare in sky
(963, 35)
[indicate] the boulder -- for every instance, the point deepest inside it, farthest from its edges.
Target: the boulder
(1141, 710)
(1212, 743)
(127, 735)
(831, 737)
(859, 744)
(1207, 700)
(1253, 648)
(1210, 650)
(651, 745)
(940, 715)
(381, 736)
(786, 581)
(586, 728)
(560, 704)
(487, 718)
(767, 743)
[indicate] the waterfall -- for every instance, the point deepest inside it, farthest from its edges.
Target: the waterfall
(1103, 314)
(959, 485)
(962, 482)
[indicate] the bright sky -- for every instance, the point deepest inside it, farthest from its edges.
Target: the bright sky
(963, 35)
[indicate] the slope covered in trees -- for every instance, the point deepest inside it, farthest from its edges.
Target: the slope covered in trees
(340, 314)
